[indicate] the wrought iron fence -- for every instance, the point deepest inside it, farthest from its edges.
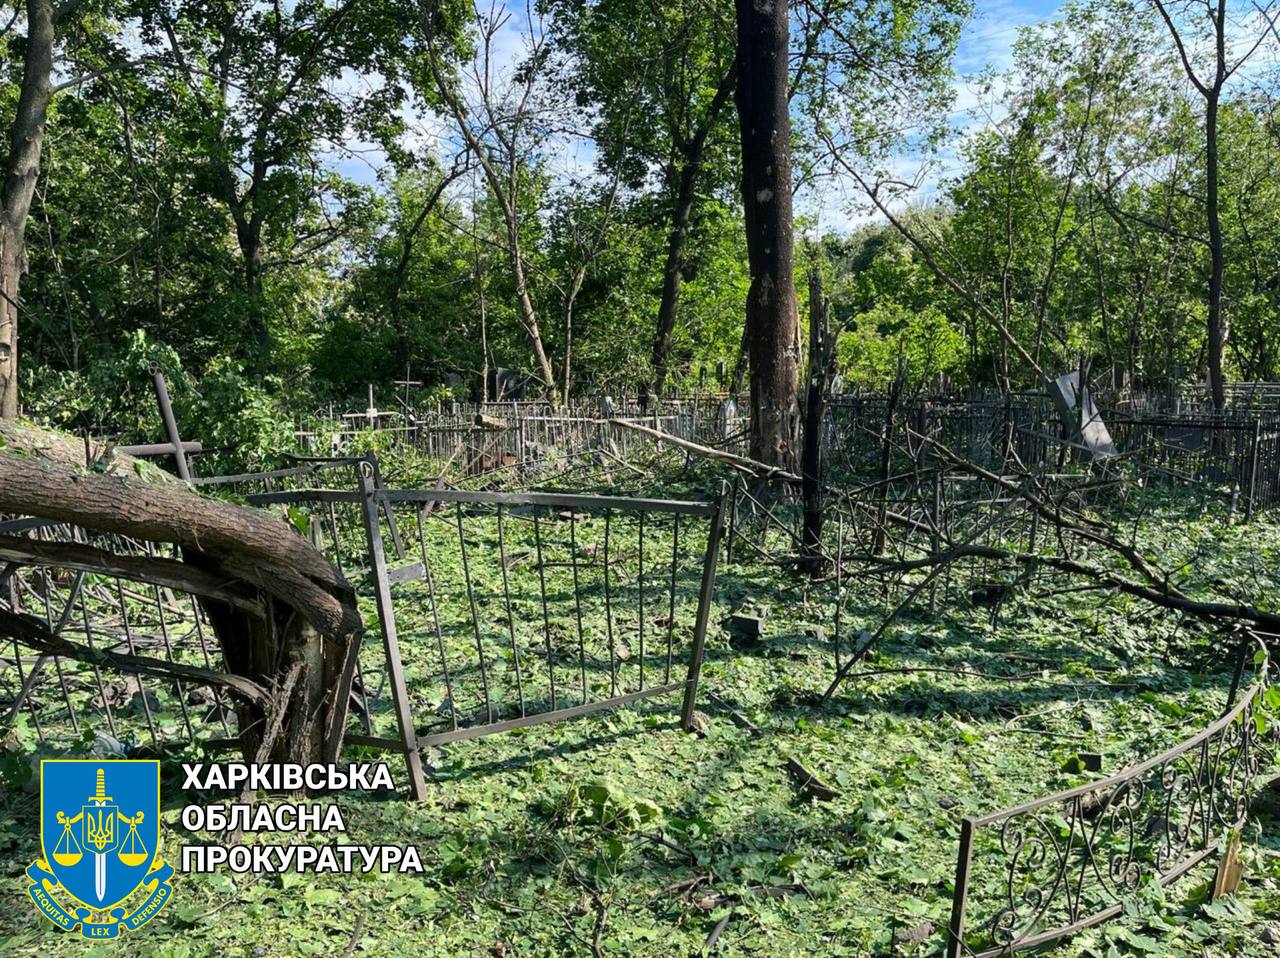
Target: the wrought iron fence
(522, 437)
(1235, 456)
(1051, 867)
(57, 574)
(505, 610)
(1236, 453)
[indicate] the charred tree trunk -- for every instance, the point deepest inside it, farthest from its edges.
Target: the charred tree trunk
(765, 124)
(26, 140)
(886, 462)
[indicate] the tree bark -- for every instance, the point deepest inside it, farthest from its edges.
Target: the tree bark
(771, 323)
(673, 275)
(249, 239)
(285, 618)
(692, 153)
(26, 140)
(1210, 88)
(821, 354)
(1217, 331)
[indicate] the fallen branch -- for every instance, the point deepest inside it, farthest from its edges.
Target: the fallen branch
(743, 464)
(168, 573)
(808, 782)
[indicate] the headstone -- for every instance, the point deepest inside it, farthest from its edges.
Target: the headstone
(1081, 417)
(729, 413)
(506, 384)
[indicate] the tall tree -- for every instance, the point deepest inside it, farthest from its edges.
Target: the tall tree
(21, 171)
(673, 62)
(263, 95)
(1186, 21)
(503, 128)
(764, 122)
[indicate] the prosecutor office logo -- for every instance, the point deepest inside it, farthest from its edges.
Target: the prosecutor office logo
(99, 838)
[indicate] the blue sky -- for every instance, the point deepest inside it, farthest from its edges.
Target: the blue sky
(986, 42)
(988, 37)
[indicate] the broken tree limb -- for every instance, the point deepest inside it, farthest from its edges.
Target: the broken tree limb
(743, 464)
(1166, 598)
(1086, 527)
(223, 532)
(167, 573)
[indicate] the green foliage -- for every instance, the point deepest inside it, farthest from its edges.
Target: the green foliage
(890, 341)
(606, 805)
(228, 409)
(106, 398)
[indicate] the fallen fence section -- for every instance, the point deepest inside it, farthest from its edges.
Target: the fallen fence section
(126, 649)
(1052, 867)
(499, 611)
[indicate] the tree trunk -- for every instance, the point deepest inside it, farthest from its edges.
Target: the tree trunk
(691, 151)
(764, 119)
(528, 315)
(1217, 331)
(285, 618)
(268, 650)
(10, 274)
(673, 273)
(249, 238)
(570, 303)
(26, 139)
(821, 353)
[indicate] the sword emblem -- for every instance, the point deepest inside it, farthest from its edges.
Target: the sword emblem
(99, 834)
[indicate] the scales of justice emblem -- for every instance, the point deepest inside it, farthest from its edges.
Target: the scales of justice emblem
(102, 849)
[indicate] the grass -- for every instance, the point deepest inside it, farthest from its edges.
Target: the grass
(619, 834)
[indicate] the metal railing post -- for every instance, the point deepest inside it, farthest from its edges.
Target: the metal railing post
(1253, 470)
(705, 595)
(170, 424)
(959, 898)
(387, 623)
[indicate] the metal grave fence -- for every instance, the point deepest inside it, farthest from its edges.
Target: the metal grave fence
(503, 610)
(103, 597)
(1051, 867)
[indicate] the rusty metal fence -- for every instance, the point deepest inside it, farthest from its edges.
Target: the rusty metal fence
(524, 437)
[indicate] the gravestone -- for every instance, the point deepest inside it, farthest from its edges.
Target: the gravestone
(1078, 413)
(507, 385)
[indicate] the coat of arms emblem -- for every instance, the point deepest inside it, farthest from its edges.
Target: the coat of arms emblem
(99, 834)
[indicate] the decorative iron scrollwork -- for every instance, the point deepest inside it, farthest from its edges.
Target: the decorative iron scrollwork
(1056, 865)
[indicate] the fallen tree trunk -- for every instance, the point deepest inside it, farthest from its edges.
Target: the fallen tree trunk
(275, 604)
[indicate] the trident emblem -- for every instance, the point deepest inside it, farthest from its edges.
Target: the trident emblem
(98, 833)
